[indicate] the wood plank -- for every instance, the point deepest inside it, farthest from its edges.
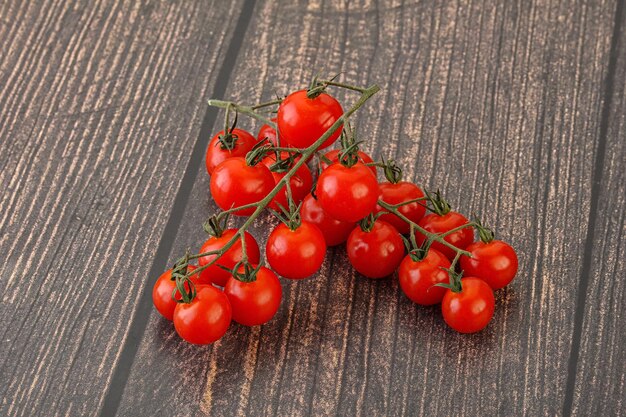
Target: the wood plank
(496, 103)
(600, 380)
(99, 103)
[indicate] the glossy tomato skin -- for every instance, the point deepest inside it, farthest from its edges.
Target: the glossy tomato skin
(162, 293)
(333, 156)
(215, 155)
(335, 231)
(206, 318)
(301, 183)
(254, 303)
(347, 193)
(399, 193)
(234, 183)
(417, 278)
(268, 132)
(216, 275)
(470, 310)
(302, 120)
(377, 253)
(494, 262)
(296, 254)
(435, 223)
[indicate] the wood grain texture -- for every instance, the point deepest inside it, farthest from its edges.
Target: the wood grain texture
(497, 103)
(98, 102)
(600, 387)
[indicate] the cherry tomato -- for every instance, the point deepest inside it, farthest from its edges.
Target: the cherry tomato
(417, 278)
(296, 254)
(216, 275)
(268, 132)
(334, 231)
(471, 309)
(163, 290)
(255, 302)
(333, 156)
(234, 183)
(300, 183)
(375, 253)
(216, 153)
(399, 193)
(302, 121)
(435, 223)
(347, 193)
(206, 318)
(494, 262)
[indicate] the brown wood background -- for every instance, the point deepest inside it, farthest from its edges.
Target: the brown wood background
(517, 110)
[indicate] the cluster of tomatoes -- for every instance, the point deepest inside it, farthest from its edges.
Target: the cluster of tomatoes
(384, 225)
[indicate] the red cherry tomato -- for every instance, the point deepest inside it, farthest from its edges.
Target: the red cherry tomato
(399, 193)
(375, 253)
(334, 231)
(163, 290)
(347, 193)
(417, 278)
(216, 275)
(333, 156)
(471, 309)
(206, 318)
(300, 183)
(302, 120)
(296, 254)
(494, 262)
(435, 223)
(216, 153)
(234, 183)
(255, 302)
(269, 133)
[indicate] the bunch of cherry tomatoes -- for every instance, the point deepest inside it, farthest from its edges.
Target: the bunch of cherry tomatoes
(388, 226)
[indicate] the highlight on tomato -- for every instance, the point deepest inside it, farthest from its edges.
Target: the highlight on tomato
(254, 293)
(236, 183)
(305, 115)
(237, 142)
(206, 318)
(375, 248)
(493, 261)
(419, 273)
(296, 250)
(468, 304)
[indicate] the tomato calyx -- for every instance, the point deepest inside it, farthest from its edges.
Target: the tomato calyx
(349, 154)
(244, 271)
(257, 153)
(228, 140)
(184, 286)
(290, 215)
(392, 172)
(283, 164)
(367, 223)
(455, 280)
(440, 206)
(486, 234)
(216, 224)
(318, 87)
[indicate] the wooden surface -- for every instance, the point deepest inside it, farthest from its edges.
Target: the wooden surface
(517, 110)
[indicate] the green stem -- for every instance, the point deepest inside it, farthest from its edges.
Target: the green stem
(367, 93)
(248, 111)
(430, 236)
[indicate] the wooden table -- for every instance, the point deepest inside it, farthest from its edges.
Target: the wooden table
(516, 109)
